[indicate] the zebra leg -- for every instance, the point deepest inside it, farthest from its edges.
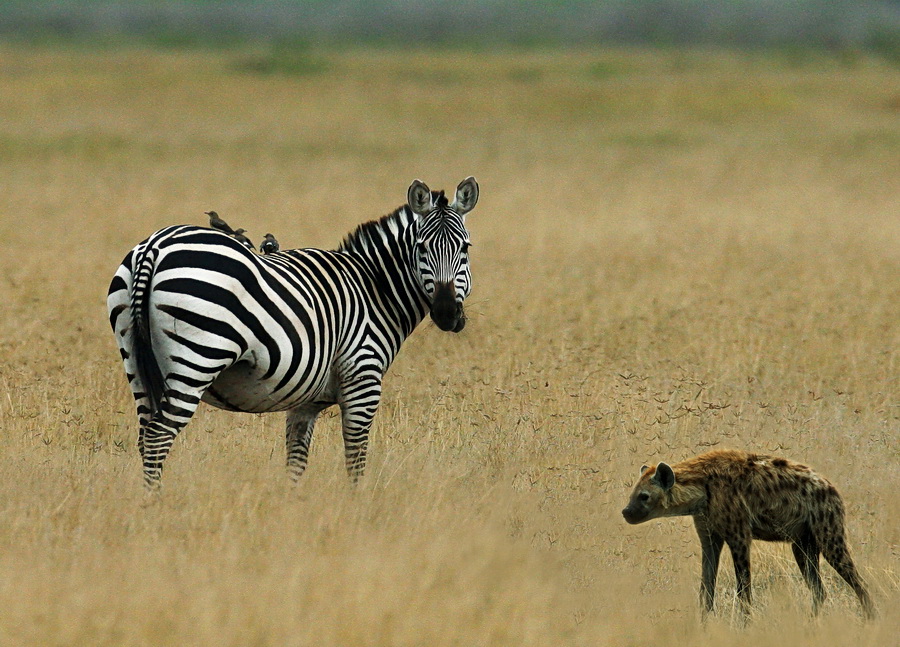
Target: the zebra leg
(298, 435)
(122, 324)
(155, 443)
(359, 403)
(156, 437)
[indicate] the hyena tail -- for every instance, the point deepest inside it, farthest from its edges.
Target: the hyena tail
(147, 366)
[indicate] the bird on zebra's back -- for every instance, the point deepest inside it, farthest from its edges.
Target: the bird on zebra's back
(217, 223)
(243, 240)
(198, 317)
(220, 225)
(269, 245)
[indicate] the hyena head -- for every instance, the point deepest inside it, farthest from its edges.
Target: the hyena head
(650, 498)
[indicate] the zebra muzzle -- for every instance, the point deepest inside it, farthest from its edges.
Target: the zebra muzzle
(446, 313)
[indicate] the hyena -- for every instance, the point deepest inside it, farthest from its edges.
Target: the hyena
(735, 497)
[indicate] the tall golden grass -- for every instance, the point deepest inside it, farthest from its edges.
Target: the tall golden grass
(673, 251)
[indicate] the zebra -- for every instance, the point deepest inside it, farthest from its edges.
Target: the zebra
(198, 316)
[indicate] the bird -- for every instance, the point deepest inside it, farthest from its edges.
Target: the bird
(217, 223)
(243, 240)
(269, 245)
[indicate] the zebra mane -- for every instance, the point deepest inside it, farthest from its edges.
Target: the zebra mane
(389, 225)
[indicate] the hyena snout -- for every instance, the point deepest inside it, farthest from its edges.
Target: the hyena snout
(642, 505)
(634, 514)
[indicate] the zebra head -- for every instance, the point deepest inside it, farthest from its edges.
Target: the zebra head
(441, 252)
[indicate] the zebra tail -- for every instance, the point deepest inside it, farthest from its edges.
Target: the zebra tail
(147, 366)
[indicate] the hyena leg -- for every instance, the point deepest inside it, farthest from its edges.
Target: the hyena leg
(359, 402)
(836, 553)
(298, 436)
(740, 555)
(711, 543)
(806, 553)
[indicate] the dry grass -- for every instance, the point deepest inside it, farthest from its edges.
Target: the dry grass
(672, 251)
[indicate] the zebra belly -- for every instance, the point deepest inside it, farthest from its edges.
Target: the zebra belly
(239, 388)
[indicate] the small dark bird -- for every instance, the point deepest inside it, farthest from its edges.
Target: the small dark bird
(217, 223)
(269, 245)
(243, 240)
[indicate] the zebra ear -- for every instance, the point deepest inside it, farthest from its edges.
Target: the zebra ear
(419, 198)
(466, 196)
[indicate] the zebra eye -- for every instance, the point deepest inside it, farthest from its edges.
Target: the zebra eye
(466, 245)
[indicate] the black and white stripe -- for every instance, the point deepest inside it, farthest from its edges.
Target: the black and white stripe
(198, 316)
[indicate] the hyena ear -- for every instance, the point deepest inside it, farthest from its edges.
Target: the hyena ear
(466, 196)
(644, 468)
(419, 198)
(664, 476)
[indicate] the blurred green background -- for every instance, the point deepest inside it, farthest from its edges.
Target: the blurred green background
(870, 25)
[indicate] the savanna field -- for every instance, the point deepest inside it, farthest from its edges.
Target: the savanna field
(673, 251)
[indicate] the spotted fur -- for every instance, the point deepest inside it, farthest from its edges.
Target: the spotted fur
(735, 497)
